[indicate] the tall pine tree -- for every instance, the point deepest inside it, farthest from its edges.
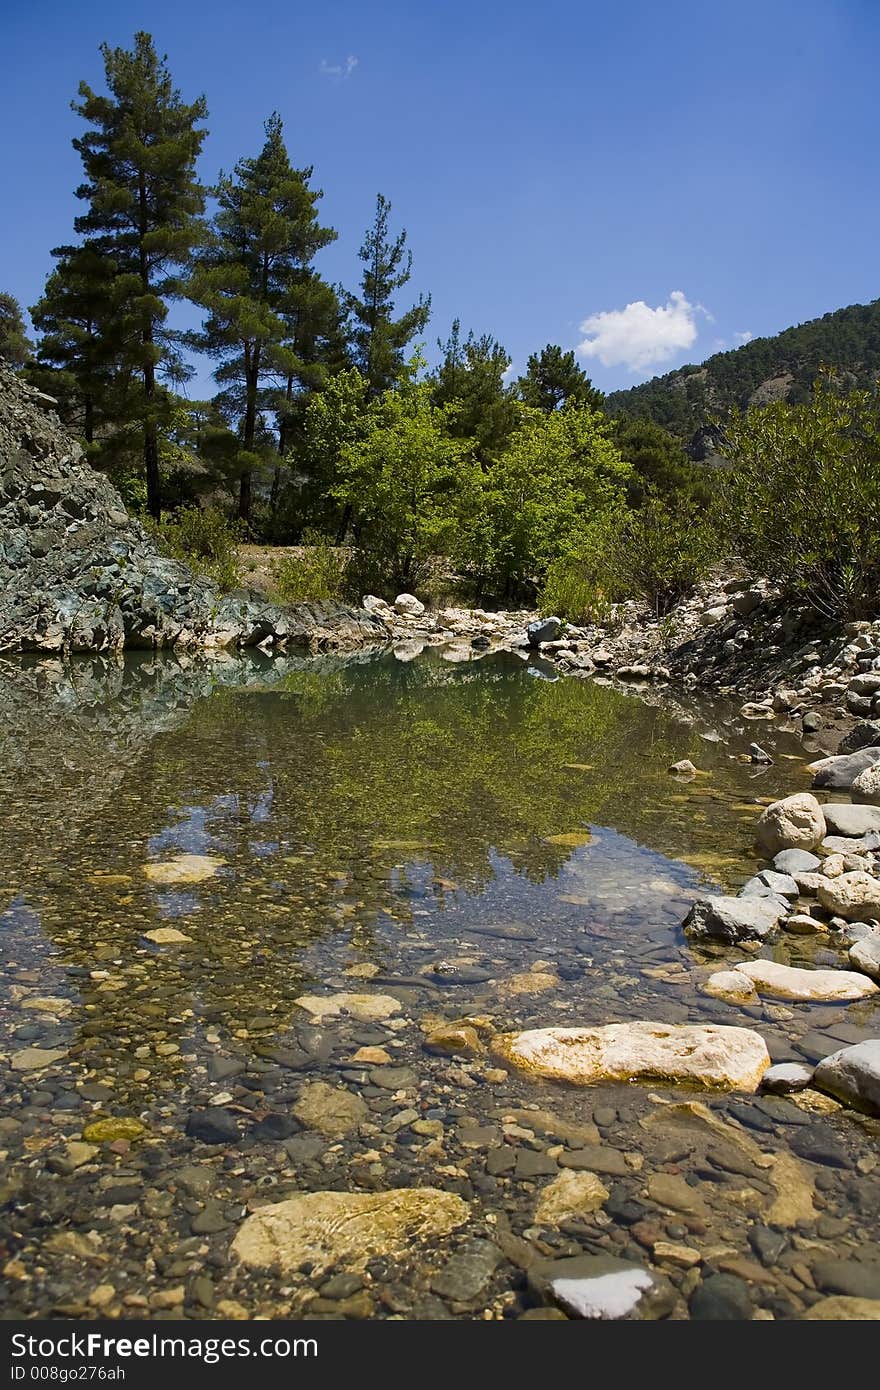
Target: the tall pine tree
(14, 345)
(380, 340)
(471, 379)
(144, 205)
(82, 330)
(265, 304)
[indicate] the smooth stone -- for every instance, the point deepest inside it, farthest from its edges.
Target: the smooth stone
(394, 1078)
(783, 1078)
(731, 986)
(531, 1164)
(596, 1158)
(854, 895)
(466, 1274)
(792, 982)
(602, 1287)
(865, 956)
(454, 1040)
(366, 1008)
(731, 919)
(213, 1126)
(166, 936)
(851, 821)
(409, 606)
(569, 1196)
(840, 1308)
(36, 1058)
(839, 773)
(853, 1074)
(544, 630)
(797, 861)
(794, 822)
(721, 1298)
(854, 1278)
(184, 868)
(330, 1110)
(709, 1054)
(326, 1229)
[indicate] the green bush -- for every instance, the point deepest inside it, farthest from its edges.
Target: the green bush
(206, 540)
(318, 574)
(802, 500)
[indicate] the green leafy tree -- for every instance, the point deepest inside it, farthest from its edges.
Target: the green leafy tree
(553, 379)
(408, 485)
(336, 419)
(14, 345)
(559, 472)
(470, 381)
(802, 498)
(254, 278)
(144, 205)
(379, 339)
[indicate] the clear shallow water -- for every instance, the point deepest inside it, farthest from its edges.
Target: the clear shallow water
(443, 828)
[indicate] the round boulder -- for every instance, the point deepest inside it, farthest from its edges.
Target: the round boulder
(795, 822)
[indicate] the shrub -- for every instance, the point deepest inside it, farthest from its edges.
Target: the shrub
(317, 574)
(206, 540)
(802, 500)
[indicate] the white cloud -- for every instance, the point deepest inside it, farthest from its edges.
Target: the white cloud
(341, 70)
(638, 336)
(745, 337)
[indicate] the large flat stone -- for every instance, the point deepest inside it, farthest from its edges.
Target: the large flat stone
(601, 1287)
(366, 1008)
(183, 868)
(843, 819)
(839, 773)
(792, 982)
(708, 1055)
(324, 1229)
(330, 1110)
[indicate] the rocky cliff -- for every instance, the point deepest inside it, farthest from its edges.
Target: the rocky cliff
(77, 573)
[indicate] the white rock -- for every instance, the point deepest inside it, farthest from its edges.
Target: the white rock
(570, 1195)
(853, 1074)
(409, 606)
(865, 956)
(184, 868)
(366, 1008)
(795, 822)
(855, 896)
(377, 606)
(791, 982)
(731, 986)
(707, 1055)
(866, 787)
(785, 1077)
(609, 1296)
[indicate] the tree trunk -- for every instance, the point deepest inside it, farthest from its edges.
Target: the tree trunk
(89, 419)
(250, 429)
(151, 441)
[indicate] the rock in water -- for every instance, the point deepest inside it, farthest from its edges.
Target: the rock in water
(732, 986)
(324, 1229)
(791, 982)
(839, 1308)
(853, 1075)
(784, 1078)
(569, 1196)
(330, 1109)
(843, 819)
(865, 956)
(838, 774)
(705, 1055)
(734, 919)
(544, 630)
(601, 1287)
(855, 896)
(795, 822)
(184, 868)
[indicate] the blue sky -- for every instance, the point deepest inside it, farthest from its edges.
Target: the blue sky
(645, 180)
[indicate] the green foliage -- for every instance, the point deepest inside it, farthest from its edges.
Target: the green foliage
(660, 466)
(470, 383)
(802, 500)
(205, 539)
(317, 574)
(378, 339)
(558, 475)
(15, 347)
(553, 379)
(409, 486)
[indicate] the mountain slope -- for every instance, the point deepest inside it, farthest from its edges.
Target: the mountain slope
(783, 367)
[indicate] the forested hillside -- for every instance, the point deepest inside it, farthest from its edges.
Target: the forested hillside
(780, 368)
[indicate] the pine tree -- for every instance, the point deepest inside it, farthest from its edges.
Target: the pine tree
(14, 345)
(82, 335)
(553, 379)
(380, 340)
(145, 203)
(264, 302)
